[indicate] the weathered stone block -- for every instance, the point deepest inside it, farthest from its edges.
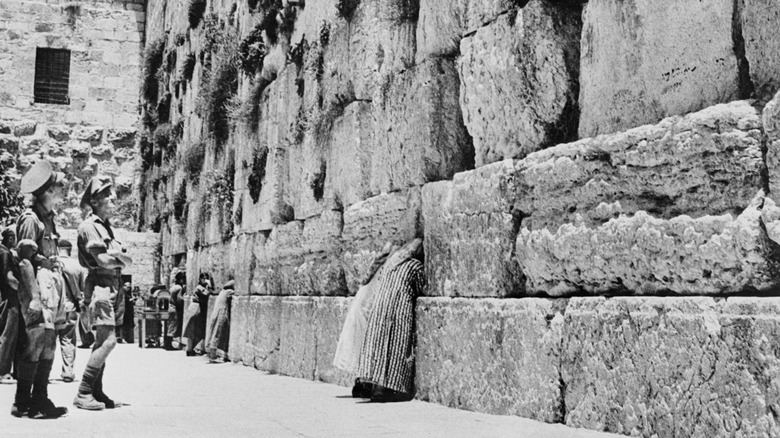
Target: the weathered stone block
(646, 255)
(759, 20)
(707, 162)
(672, 366)
(9, 143)
(490, 355)
(298, 348)
(369, 224)
(349, 163)
(436, 145)
(519, 81)
(255, 329)
(58, 132)
(771, 122)
(24, 127)
(470, 226)
(645, 60)
(440, 29)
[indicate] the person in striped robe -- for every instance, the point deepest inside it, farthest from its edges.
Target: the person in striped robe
(387, 355)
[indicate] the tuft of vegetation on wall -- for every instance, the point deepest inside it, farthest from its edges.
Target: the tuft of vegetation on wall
(153, 59)
(224, 85)
(180, 204)
(218, 199)
(252, 51)
(146, 151)
(346, 8)
(317, 183)
(163, 140)
(188, 67)
(257, 174)
(11, 202)
(195, 12)
(192, 160)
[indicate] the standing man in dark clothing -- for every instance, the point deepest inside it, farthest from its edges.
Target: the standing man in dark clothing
(104, 257)
(40, 292)
(176, 310)
(9, 305)
(128, 322)
(74, 277)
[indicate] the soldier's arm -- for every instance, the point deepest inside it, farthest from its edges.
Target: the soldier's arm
(97, 248)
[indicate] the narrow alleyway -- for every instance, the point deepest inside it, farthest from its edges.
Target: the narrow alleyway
(173, 395)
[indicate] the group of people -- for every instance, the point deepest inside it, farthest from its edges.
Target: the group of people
(191, 322)
(44, 293)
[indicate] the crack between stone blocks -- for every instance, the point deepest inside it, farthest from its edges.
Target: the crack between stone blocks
(745, 86)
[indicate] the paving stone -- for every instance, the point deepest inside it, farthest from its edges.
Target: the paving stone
(500, 356)
(672, 366)
(635, 71)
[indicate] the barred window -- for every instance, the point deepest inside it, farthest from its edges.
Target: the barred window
(52, 74)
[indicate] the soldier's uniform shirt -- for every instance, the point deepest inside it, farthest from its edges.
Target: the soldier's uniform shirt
(102, 286)
(37, 225)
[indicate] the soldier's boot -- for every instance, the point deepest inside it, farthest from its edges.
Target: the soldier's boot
(85, 398)
(40, 405)
(100, 395)
(25, 374)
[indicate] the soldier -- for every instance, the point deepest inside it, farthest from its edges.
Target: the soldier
(104, 257)
(74, 277)
(9, 306)
(40, 292)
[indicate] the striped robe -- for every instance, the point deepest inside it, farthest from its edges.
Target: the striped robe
(387, 356)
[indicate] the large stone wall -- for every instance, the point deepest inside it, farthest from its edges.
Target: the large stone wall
(473, 126)
(105, 38)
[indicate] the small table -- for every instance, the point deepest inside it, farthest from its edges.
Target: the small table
(148, 315)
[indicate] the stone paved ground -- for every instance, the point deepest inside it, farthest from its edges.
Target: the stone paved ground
(173, 395)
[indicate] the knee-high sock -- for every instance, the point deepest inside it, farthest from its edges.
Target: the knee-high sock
(25, 374)
(40, 390)
(88, 381)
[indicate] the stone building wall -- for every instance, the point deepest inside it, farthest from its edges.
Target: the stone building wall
(593, 182)
(105, 38)
(95, 133)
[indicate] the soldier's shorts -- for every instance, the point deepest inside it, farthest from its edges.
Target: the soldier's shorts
(101, 309)
(38, 343)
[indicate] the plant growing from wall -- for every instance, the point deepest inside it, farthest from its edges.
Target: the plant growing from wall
(11, 202)
(317, 183)
(180, 204)
(257, 174)
(252, 51)
(163, 140)
(224, 85)
(153, 59)
(72, 11)
(146, 151)
(192, 160)
(218, 198)
(346, 8)
(195, 12)
(188, 67)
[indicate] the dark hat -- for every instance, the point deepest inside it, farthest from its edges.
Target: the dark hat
(94, 186)
(40, 177)
(64, 243)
